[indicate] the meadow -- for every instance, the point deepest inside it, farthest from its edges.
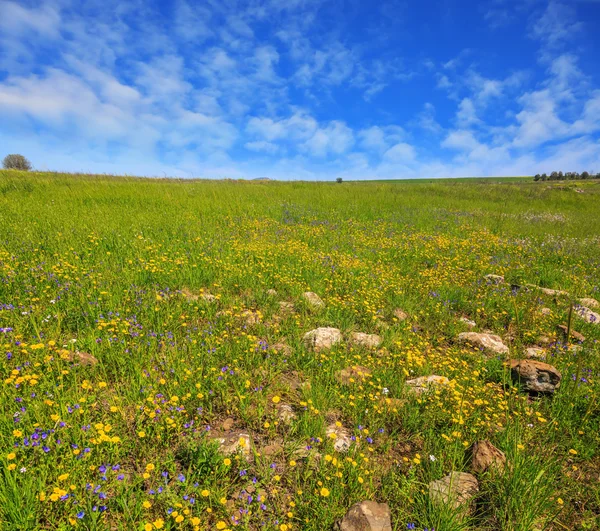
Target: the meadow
(156, 372)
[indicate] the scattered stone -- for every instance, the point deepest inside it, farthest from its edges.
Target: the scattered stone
(590, 303)
(494, 279)
(535, 353)
(313, 299)
(189, 295)
(234, 443)
(286, 306)
(535, 376)
(227, 424)
(282, 348)
(208, 297)
(490, 342)
(546, 311)
(456, 489)
(553, 292)
(252, 317)
(545, 341)
(485, 456)
(322, 338)
(82, 358)
(366, 516)
(349, 375)
(401, 315)
(272, 449)
(366, 340)
(286, 414)
(587, 315)
(574, 335)
(341, 437)
(468, 322)
(272, 293)
(424, 383)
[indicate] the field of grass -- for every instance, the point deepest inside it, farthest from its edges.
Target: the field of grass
(138, 331)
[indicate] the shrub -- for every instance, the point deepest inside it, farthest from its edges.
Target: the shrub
(16, 162)
(338, 180)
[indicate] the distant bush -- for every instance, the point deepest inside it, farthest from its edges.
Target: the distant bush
(16, 162)
(569, 176)
(338, 180)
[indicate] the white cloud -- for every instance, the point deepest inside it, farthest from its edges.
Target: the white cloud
(262, 146)
(400, 153)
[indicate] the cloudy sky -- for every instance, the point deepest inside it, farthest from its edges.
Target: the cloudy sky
(302, 89)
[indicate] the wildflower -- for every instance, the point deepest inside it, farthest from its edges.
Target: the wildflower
(324, 492)
(11, 456)
(276, 399)
(227, 461)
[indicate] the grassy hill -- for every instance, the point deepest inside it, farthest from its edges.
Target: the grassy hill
(149, 326)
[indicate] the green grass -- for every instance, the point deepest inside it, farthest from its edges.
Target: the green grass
(97, 264)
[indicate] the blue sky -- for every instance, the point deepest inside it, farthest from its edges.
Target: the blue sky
(302, 89)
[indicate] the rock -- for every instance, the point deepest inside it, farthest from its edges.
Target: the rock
(281, 348)
(341, 437)
(553, 292)
(535, 376)
(272, 293)
(322, 338)
(286, 307)
(272, 449)
(545, 341)
(189, 295)
(456, 489)
(401, 315)
(494, 279)
(286, 414)
(366, 340)
(313, 299)
(490, 342)
(546, 311)
(468, 322)
(574, 335)
(82, 358)
(590, 303)
(234, 443)
(227, 424)
(349, 375)
(366, 516)
(424, 383)
(208, 297)
(485, 456)
(587, 315)
(252, 317)
(535, 353)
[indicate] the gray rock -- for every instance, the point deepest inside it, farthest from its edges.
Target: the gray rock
(456, 489)
(401, 315)
(485, 456)
(494, 279)
(322, 338)
(366, 340)
(590, 303)
(587, 315)
(425, 383)
(366, 516)
(535, 376)
(489, 342)
(313, 299)
(349, 375)
(535, 353)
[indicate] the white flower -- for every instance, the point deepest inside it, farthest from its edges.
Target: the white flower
(385, 390)
(52, 301)
(23, 470)
(432, 458)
